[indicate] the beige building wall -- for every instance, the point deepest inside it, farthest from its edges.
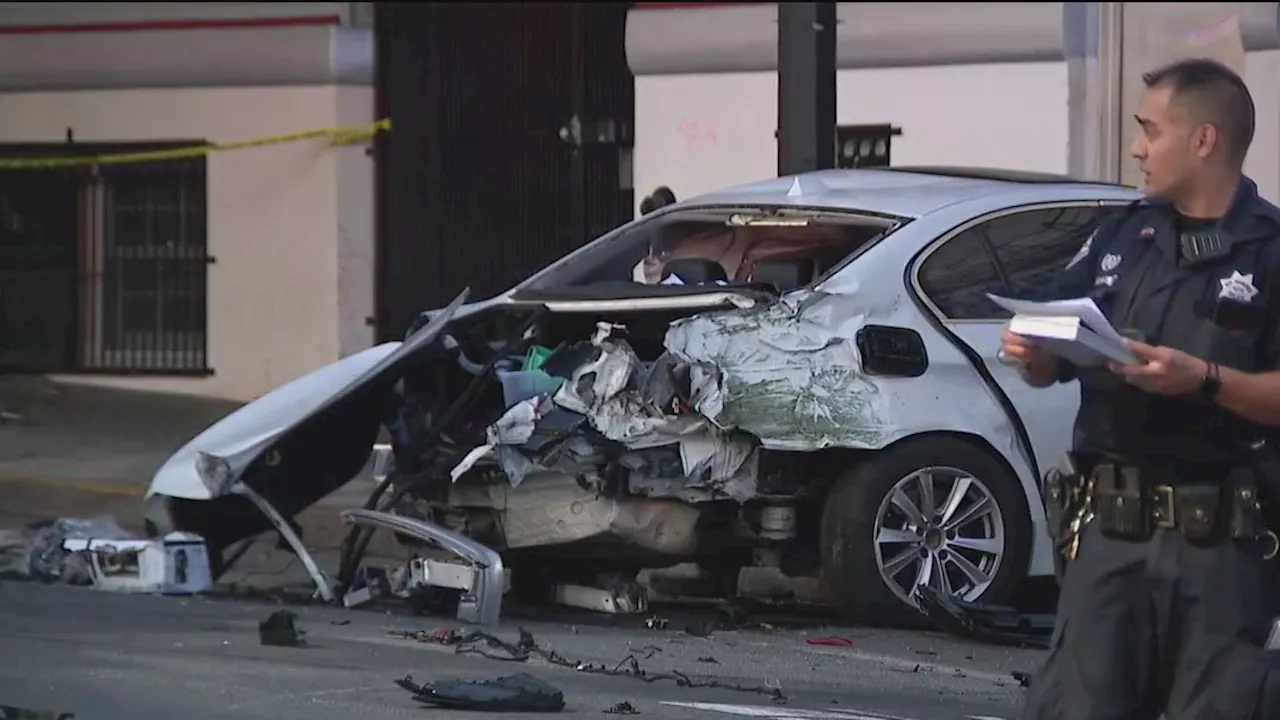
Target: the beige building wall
(1032, 85)
(290, 226)
(701, 132)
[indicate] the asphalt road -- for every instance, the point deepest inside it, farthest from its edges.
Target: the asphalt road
(117, 657)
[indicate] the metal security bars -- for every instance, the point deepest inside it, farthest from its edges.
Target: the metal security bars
(103, 269)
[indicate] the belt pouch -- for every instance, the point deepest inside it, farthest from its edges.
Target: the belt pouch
(1123, 510)
(1246, 511)
(1196, 508)
(1055, 505)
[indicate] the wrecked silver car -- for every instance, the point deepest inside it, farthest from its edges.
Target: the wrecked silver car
(791, 385)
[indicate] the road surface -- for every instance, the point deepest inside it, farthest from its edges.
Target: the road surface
(105, 656)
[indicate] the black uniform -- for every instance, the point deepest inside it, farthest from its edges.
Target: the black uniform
(1161, 608)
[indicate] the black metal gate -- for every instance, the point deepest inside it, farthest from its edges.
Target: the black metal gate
(103, 268)
(510, 144)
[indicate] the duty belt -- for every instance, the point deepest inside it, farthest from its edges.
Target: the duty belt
(1128, 506)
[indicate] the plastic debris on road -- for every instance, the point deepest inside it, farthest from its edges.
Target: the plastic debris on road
(986, 624)
(511, 693)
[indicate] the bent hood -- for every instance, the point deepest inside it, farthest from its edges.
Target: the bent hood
(304, 439)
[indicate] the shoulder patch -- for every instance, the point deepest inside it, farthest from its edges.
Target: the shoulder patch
(1083, 252)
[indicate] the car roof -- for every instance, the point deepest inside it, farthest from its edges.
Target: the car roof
(906, 191)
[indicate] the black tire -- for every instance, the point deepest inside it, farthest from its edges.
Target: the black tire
(848, 526)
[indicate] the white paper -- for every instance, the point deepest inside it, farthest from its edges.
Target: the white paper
(1084, 308)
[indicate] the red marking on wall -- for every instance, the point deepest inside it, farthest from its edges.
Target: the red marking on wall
(185, 24)
(697, 132)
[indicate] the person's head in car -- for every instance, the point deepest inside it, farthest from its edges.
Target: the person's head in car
(663, 197)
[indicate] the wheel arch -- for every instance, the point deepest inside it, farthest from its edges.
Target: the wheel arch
(983, 445)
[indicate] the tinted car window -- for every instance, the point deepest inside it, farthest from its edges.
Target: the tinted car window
(957, 276)
(1013, 255)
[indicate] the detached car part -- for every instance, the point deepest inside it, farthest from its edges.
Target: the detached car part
(482, 602)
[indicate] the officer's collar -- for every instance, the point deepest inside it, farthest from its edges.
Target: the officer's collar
(1248, 218)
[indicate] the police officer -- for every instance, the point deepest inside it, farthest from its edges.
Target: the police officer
(1172, 566)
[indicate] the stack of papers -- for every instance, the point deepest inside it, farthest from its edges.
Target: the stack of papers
(1075, 330)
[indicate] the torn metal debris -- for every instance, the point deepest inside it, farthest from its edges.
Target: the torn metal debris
(986, 624)
(481, 600)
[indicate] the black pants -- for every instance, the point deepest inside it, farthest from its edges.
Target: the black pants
(1146, 628)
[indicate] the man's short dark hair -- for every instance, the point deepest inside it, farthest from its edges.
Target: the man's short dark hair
(1212, 93)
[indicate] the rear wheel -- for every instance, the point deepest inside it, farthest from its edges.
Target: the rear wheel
(935, 511)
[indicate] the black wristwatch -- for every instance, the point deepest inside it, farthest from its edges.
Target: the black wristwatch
(1212, 382)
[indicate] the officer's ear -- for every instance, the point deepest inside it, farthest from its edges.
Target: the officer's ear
(1205, 139)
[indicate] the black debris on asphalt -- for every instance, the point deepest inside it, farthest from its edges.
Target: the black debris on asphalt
(986, 624)
(622, 708)
(494, 648)
(279, 630)
(511, 693)
(9, 712)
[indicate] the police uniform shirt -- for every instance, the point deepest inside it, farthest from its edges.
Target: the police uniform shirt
(1201, 286)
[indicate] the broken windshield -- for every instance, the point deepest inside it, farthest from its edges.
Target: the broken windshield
(700, 247)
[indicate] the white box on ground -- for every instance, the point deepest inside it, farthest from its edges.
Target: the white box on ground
(177, 564)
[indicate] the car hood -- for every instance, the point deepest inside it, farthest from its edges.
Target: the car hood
(338, 407)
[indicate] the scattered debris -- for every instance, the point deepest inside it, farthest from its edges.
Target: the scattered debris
(511, 693)
(619, 596)
(279, 630)
(98, 552)
(622, 708)
(1023, 678)
(830, 641)
(339, 622)
(9, 712)
(36, 552)
(988, 624)
(494, 648)
(708, 659)
(656, 623)
(177, 564)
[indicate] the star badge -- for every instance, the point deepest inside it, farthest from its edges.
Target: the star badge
(1238, 287)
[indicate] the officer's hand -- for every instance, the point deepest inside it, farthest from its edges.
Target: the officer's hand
(1018, 349)
(1162, 370)
(1038, 366)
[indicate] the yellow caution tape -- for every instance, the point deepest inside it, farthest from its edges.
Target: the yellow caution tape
(337, 136)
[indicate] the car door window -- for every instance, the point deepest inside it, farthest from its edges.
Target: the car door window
(1013, 255)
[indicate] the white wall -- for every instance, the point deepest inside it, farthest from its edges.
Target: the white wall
(696, 133)
(290, 226)
(1261, 73)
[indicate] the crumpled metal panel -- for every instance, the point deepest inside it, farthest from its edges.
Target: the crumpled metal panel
(787, 373)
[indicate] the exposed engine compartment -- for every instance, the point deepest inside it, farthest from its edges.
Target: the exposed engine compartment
(675, 489)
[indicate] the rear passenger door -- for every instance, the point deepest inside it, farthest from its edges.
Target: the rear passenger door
(1015, 252)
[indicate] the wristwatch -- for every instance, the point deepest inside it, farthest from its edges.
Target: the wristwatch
(1212, 382)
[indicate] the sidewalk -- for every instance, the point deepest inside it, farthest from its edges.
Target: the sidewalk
(78, 451)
